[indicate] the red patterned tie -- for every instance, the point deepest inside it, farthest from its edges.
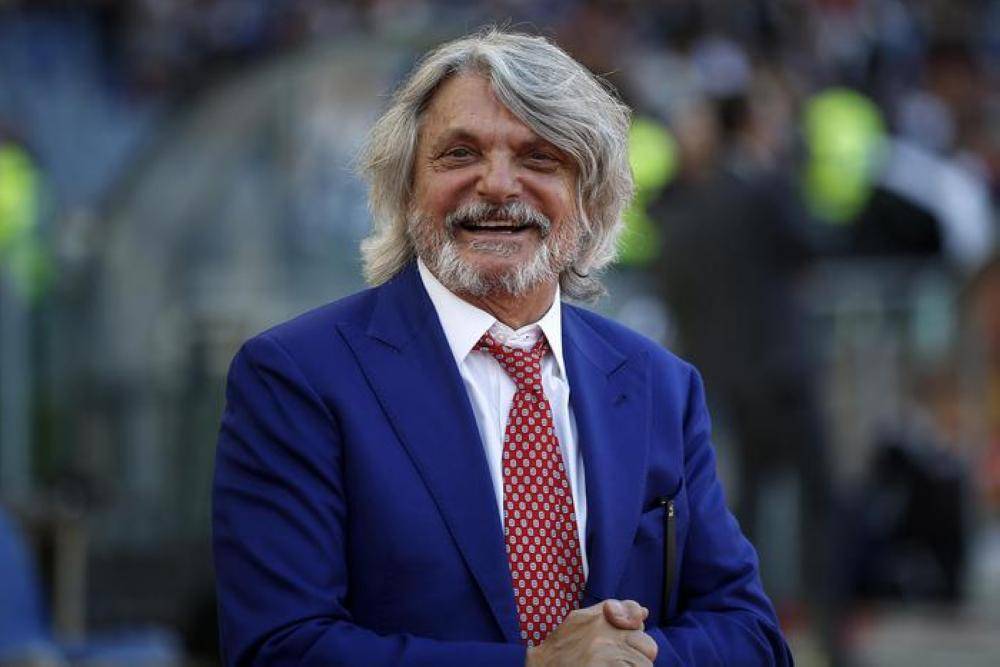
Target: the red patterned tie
(539, 518)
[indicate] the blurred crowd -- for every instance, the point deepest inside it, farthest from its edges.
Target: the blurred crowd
(911, 86)
(815, 227)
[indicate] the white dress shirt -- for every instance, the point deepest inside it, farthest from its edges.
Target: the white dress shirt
(491, 391)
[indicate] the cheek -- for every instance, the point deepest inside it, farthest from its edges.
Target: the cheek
(439, 192)
(564, 205)
(556, 194)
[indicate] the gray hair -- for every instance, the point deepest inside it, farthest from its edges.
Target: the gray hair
(549, 92)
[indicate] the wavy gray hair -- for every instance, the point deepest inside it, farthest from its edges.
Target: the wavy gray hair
(549, 92)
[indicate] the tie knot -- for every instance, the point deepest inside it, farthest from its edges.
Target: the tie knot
(524, 367)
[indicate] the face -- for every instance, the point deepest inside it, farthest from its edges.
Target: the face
(493, 206)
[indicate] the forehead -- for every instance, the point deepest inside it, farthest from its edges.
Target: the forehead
(466, 103)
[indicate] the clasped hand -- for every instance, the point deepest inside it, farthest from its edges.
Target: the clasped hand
(610, 633)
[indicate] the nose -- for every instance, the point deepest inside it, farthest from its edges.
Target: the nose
(499, 182)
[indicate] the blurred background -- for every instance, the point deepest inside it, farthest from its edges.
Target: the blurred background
(815, 227)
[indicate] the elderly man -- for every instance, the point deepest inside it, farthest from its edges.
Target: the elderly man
(456, 467)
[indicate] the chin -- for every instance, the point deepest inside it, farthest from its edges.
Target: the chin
(497, 258)
(491, 268)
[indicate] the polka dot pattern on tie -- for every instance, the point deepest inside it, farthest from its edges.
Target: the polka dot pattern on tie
(543, 547)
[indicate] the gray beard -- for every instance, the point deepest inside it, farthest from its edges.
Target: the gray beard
(440, 253)
(461, 277)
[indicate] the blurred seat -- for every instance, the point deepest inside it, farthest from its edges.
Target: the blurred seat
(26, 638)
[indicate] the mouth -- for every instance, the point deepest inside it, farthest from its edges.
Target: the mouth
(501, 227)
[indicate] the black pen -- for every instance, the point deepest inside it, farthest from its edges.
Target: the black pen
(669, 551)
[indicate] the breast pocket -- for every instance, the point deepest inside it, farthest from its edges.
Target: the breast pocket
(655, 560)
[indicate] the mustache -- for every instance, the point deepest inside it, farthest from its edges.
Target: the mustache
(516, 212)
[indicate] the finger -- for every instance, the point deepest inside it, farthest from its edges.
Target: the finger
(636, 610)
(643, 643)
(623, 615)
(614, 610)
(617, 615)
(594, 609)
(637, 661)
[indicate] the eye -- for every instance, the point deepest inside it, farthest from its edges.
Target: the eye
(458, 152)
(542, 160)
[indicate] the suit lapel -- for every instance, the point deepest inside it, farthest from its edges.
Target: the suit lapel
(610, 400)
(405, 355)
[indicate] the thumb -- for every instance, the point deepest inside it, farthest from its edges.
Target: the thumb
(626, 615)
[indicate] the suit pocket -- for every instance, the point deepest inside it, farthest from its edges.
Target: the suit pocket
(657, 530)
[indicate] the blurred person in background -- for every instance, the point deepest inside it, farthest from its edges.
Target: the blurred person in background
(403, 476)
(733, 244)
(982, 303)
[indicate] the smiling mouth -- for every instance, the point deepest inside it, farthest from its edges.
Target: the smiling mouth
(495, 226)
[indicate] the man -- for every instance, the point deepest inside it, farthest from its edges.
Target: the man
(455, 467)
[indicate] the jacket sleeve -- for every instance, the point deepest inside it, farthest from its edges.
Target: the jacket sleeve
(279, 516)
(725, 618)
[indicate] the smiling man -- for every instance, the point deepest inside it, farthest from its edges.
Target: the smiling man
(456, 467)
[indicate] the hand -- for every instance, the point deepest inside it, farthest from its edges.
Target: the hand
(626, 615)
(587, 638)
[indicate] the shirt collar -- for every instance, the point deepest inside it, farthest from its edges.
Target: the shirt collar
(464, 324)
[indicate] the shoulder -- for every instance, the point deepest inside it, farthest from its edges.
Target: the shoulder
(674, 386)
(632, 345)
(314, 335)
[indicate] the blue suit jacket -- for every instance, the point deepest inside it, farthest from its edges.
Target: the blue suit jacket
(354, 516)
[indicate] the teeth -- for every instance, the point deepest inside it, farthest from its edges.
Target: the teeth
(503, 230)
(502, 226)
(494, 223)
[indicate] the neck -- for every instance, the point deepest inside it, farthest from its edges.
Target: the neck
(516, 311)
